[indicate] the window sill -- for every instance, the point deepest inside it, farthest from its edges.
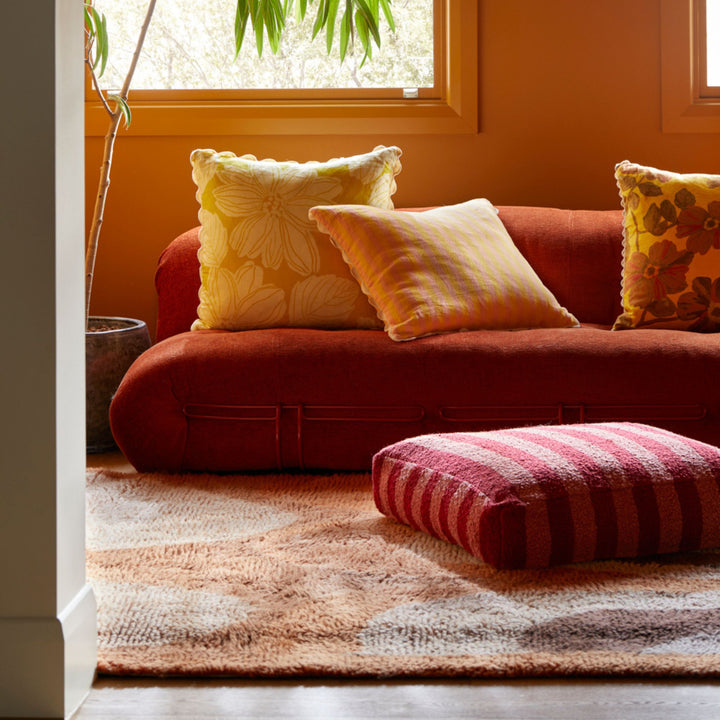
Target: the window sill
(293, 118)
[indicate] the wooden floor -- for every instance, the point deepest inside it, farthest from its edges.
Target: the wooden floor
(319, 700)
(136, 698)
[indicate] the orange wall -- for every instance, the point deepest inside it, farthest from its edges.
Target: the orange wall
(568, 89)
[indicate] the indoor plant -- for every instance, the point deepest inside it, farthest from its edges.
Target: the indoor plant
(113, 343)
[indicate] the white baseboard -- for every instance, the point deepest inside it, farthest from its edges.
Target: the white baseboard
(47, 664)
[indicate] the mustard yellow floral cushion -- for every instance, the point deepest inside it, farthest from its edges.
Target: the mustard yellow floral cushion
(671, 252)
(263, 262)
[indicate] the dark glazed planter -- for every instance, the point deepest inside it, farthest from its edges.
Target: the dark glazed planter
(111, 346)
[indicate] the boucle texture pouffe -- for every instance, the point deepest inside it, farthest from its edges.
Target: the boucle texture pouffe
(540, 496)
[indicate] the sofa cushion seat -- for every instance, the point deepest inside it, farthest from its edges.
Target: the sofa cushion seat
(303, 398)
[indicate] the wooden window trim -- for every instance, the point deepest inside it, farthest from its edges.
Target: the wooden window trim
(451, 107)
(688, 106)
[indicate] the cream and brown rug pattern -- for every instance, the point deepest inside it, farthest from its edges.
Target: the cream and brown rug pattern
(300, 575)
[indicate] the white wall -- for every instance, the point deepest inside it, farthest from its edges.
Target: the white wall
(47, 611)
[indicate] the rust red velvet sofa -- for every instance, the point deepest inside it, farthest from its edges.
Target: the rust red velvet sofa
(288, 398)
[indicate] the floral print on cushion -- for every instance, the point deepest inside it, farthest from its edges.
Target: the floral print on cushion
(263, 263)
(671, 252)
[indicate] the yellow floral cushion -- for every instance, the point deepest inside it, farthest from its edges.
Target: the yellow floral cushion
(441, 270)
(263, 262)
(671, 250)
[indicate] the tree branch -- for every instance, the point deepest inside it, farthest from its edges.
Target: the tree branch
(104, 181)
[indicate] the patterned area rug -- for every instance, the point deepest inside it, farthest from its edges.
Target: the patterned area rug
(300, 575)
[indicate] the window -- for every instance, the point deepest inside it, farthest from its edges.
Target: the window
(690, 36)
(709, 49)
(188, 51)
(432, 87)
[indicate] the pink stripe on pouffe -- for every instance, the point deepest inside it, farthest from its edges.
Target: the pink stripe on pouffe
(434, 512)
(414, 501)
(501, 493)
(690, 510)
(391, 469)
(473, 527)
(707, 484)
(621, 496)
(404, 476)
(380, 470)
(452, 485)
(457, 513)
(434, 501)
(409, 493)
(664, 470)
(643, 492)
(575, 476)
(428, 497)
(443, 453)
(603, 530)
(557, 502)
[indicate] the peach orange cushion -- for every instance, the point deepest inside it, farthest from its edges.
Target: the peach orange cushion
(446, 269)
(539, 496)
(671, 250)
(263, 262)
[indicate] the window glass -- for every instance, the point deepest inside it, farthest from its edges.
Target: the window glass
(189, 49)
(712, 24)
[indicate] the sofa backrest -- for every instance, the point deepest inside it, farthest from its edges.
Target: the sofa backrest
(576, 253)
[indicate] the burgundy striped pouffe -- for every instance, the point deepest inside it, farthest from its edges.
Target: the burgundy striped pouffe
(540, 496)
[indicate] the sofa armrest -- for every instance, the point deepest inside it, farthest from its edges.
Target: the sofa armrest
(177, 280)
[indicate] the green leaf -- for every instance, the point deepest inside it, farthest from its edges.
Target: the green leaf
(268, 17)
(104, 45)
(364, 36)
(362, 29)
(346, 29)
(123, 107)
(324, 9)
(98, 39)
(275, 22)
(242, 14)
(259, 34)
(387, 12)
(330, 28)
(92, 19)
(364, 11)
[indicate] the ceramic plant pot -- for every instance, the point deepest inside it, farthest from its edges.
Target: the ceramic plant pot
(111, 346)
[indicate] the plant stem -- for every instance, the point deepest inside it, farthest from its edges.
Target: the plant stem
(104, 181)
